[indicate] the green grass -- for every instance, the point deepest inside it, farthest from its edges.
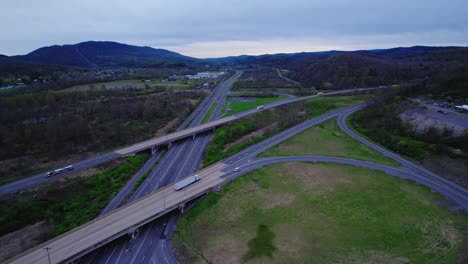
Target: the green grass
(285, 117)
(140, 181)
(327, 139)
(71, 206)
(261, 244)
(321, 213)
(210, 112)
(237, 107)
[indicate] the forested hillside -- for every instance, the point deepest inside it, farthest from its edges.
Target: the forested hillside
(44, 126)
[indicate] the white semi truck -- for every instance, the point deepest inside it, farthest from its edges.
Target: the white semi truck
(186, 182)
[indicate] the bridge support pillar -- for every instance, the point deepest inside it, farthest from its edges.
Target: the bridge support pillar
(214, 129)
(169, 145)
(153, 150)
(193, 136)
(181, 208)
(134, 233)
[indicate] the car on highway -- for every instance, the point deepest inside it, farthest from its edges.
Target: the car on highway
(69, 167)
(237, 169)
(50, 174)
(260, 107)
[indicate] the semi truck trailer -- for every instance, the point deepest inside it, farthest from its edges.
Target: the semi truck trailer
(186, 182)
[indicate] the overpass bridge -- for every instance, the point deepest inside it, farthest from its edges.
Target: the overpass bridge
(153, 143)
(192, 132)
(125, 220)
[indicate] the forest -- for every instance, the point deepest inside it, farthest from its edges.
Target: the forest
(48, 125)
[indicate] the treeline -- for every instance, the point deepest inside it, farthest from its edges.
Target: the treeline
(367, 69)
(71, 206)
(51, 124)
(271, 122)
(380, 121)
(262, 78)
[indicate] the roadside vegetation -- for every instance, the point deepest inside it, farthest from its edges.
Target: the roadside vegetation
(381, 122)
(149, 84)
(327, 139)
(238, 106)
(234, 137)
(320, 213)
(263, 79)
(209, 113)
(39, 130)
(71, 206)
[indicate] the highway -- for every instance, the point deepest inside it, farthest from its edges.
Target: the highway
(182, 159)
(37, 179)
(427, 178)
(181, 133)
(136, 213)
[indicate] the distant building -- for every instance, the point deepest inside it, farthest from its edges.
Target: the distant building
(205, 75)
(462, 107)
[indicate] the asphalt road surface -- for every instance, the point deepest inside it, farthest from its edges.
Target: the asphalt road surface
(449, 189)
(40, 178)
(182, 159)
(247, 162)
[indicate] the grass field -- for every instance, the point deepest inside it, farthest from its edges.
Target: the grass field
(320, 213)
(237, 107)
(327, 139)
(236, 136)
(210, 112)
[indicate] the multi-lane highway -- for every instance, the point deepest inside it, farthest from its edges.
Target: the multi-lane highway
(192, 131)
(181, 160)
(215, 176)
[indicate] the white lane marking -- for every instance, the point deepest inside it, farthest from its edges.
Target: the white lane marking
(112, 253)
(143, 242)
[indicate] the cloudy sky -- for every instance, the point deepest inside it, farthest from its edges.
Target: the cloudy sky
(206, 28)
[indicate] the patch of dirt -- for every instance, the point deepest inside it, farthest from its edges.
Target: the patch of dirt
(167, 128)
(21, 240)
(226, 251)
(422, 120)
(251, 136)
(233, 214)
(290, 239)
(316, 178)
(443, 237)
(273, 200)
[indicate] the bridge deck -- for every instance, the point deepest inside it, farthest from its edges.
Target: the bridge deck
(98, 232)
(174, 136)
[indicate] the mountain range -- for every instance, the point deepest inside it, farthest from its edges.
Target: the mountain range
(104, 54)
(341, 68)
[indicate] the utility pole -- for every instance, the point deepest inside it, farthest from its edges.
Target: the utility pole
(48, 256)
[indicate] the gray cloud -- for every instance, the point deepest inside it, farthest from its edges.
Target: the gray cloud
(207, 27)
